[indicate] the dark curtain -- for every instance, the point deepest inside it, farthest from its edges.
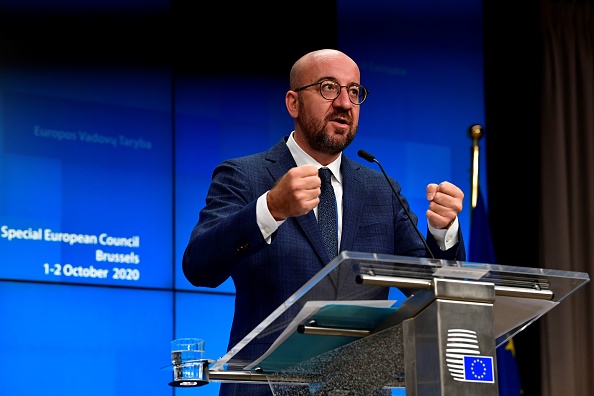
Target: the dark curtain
(567, 192)
(539, 100)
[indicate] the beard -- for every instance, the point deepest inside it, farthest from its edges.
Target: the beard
(320, 139)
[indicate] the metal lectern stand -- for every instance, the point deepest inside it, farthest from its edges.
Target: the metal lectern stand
(440, 341)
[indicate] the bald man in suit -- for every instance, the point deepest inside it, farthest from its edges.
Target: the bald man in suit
(259, 225)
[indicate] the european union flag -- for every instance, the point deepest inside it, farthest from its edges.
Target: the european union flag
(508, 375)
(481, 250)
(478, 369)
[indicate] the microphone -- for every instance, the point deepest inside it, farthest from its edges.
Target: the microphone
(366, 156)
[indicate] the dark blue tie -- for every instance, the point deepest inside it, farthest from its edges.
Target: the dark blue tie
(327, 215)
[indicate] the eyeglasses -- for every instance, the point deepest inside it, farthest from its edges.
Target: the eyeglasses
(330, 90)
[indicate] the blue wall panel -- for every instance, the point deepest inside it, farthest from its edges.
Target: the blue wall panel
(81, 340)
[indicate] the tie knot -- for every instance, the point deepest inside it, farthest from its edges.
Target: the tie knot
(326, 175)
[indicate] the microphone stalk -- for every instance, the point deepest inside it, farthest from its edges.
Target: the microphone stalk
(368, 157)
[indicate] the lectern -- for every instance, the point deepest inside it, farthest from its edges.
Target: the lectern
(441, 340)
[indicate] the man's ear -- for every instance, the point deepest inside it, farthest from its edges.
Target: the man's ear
(291, 102)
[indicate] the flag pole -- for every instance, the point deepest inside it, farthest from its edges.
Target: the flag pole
(476, 133)
(481, 249)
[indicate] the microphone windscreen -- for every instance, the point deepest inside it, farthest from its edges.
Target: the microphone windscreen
(366, 156)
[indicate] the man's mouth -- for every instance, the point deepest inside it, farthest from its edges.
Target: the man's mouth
(340, 120)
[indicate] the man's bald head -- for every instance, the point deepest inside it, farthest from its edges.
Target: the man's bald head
(310, 63)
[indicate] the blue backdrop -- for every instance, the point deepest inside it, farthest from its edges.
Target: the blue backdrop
(103, 171)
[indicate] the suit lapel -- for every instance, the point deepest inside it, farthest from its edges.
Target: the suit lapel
(280, 161)
(352, 209)
(352, 202)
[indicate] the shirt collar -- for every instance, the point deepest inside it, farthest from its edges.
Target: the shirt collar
(302, 158)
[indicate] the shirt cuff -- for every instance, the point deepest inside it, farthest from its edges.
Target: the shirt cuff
(445, 238)
(266, 222)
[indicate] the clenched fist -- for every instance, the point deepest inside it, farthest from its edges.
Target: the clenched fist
(445, 202)
(296, 193)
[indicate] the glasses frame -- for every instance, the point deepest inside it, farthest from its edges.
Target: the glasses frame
(340, 87)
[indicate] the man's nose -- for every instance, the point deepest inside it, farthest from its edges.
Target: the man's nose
(342, 100)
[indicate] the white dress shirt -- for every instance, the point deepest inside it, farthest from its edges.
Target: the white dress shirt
(268, 225)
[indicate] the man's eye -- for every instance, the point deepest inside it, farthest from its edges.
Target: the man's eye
(354, 91)
(329, 87)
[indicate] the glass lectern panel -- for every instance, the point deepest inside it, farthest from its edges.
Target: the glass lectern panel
(347, 300)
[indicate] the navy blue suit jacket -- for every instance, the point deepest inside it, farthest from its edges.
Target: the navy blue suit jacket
(227, 241)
